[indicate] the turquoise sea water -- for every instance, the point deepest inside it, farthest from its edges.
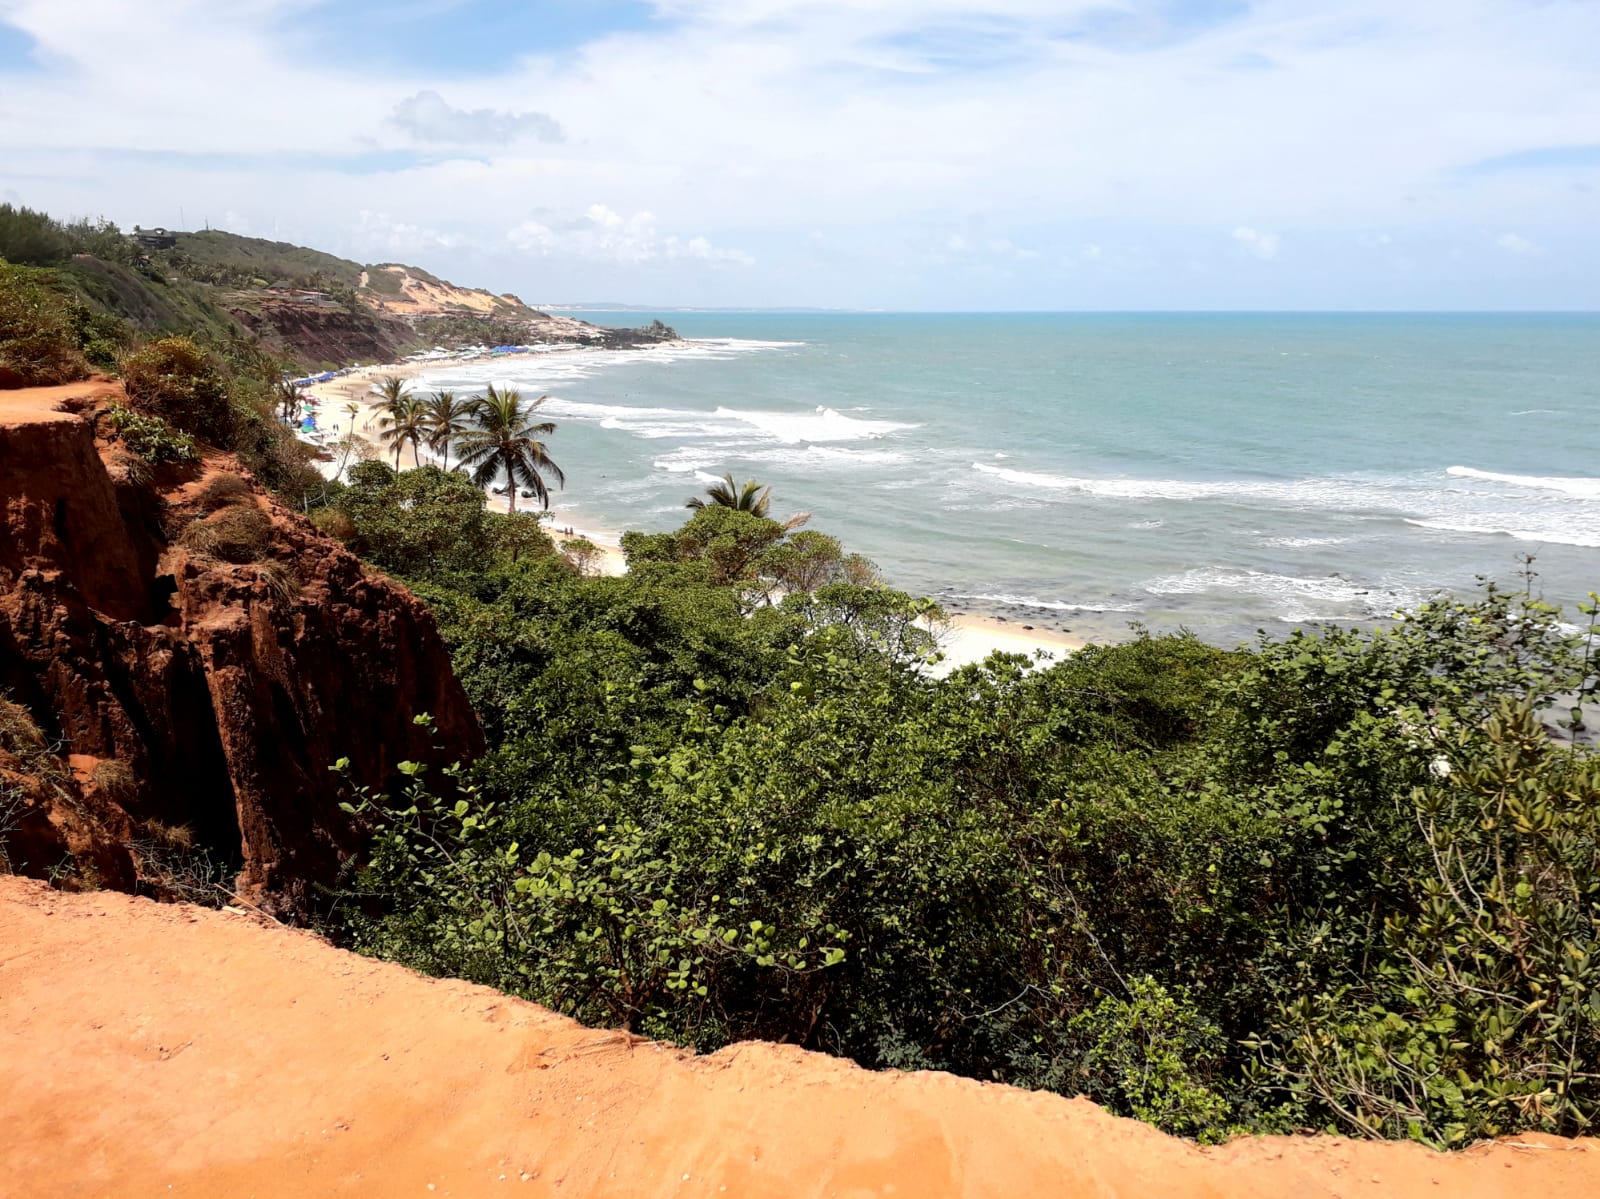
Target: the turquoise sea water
(1223, 472)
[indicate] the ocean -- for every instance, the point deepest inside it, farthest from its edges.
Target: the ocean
(1223, 473)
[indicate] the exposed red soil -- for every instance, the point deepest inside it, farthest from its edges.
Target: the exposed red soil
(224, 690)
(165, 1050)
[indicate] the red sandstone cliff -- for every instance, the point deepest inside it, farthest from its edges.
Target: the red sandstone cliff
(224, 688)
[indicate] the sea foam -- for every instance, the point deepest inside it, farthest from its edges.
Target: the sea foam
(823, 424)
(1461, 499)
(1292, 598)
(1577, 488)
(1554, 534)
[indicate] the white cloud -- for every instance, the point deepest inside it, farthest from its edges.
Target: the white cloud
(603, 235)
(379, 236)
(1263, 245)
(1515, 243)
(427, 118)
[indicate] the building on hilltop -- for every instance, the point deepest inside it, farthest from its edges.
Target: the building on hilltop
(155, 239)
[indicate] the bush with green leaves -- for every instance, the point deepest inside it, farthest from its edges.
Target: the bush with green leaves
(176, 380)
(150, 437)
(30, 238)
(423, 523)
(39, 343)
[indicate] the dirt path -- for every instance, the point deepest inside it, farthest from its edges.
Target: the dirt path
(26, 405)
(152, 1050)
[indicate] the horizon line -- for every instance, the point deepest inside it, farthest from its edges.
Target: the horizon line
(804, 309)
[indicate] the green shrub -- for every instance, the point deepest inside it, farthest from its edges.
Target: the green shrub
(1154, 1056)
(39, 346)
(30, 238)
(150, 437)
(423, 523)
(176, 380)
(1476, 1014)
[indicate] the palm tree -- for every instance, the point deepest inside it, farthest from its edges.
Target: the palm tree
(447, 421)
(354, 409)
(725, 493)
(289, 398)
(396, 406)
(506, 440)
(405, 420)
(391, 389)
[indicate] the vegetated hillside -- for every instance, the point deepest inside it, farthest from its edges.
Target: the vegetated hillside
(323, 309)
(168, 1050)
(311, 308)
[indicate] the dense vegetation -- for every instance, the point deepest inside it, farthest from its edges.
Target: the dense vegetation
(1344, 880)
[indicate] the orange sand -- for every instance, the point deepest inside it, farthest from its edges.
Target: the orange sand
(153, 1050)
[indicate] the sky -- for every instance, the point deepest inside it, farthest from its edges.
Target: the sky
(900, 154)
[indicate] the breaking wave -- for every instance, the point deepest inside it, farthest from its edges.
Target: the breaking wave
(1577, 488)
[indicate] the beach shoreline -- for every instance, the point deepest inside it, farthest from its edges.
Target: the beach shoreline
(965, 636)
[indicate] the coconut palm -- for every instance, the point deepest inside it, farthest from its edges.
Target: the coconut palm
(354, 410)
(290, 399)
(751, 497)
(447, 421)
(506, 440)
(405, 420)
(391, 390)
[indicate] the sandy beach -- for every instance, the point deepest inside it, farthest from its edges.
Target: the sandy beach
(974, 638)
(964, 638)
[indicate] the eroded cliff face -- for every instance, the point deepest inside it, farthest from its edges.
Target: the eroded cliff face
(311, 333)
(189, 694)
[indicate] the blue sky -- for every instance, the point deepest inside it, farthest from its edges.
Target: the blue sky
(912, 154)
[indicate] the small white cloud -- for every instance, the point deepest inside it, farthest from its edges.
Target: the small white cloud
(1091, 252)
(380, 235)
(700, 248)
(603, 235)
(1004, 247)
(1263, 245)
(428, 118)
(1515, 243)
(957, 244)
